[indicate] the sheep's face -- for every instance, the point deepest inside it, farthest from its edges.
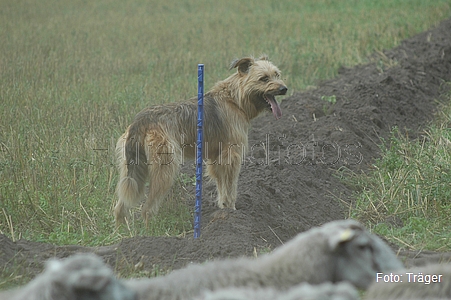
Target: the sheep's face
(110, 289)
(82, 276)
(360, 256)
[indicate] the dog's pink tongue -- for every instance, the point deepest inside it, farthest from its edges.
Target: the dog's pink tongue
(275, 108)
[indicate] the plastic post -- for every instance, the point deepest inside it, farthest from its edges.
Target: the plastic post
(200, 121)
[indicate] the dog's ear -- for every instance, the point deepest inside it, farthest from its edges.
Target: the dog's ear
(242, 64)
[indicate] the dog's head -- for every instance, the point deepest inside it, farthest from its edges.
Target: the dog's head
(259, 83)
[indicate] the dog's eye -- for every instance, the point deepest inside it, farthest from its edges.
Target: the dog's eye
(264, 79)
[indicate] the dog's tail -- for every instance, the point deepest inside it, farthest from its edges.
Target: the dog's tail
(133, 172)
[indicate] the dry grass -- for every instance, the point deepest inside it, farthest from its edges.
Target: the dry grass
(407, 197)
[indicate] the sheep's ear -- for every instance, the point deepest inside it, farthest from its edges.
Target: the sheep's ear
(343, 236)
(53, 265)
(242, 64)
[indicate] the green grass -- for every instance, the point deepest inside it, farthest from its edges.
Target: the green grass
(74, 73)
(13, 276)
(407, 196)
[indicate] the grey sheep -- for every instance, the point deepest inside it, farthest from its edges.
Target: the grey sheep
(337, 251)
(304, 291)
(81, 276)
(426, 282)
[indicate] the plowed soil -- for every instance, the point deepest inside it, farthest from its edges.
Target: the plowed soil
(288, 184)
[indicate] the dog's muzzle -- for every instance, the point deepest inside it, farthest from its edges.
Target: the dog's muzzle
(270, 98)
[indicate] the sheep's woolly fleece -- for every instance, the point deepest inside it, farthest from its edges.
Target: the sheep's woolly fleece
(304, 291)
(286, 193)
(337, 251)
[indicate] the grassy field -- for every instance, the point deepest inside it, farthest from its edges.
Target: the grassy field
(74, 73)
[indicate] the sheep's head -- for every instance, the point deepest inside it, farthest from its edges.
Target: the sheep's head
(358, 254)
(81, 276)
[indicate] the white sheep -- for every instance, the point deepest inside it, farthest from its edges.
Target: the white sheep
(304, 291)
(426, 282)
(81, 276)
(337, 251)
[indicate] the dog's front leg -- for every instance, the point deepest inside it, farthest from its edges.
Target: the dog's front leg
(226, 172)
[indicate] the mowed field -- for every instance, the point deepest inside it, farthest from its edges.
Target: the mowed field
(74, 73)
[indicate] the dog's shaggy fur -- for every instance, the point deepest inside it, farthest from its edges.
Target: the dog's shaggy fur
(161, 137)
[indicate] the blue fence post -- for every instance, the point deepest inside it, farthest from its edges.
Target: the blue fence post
(200, 121)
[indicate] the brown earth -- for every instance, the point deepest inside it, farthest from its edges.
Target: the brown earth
(288, 184)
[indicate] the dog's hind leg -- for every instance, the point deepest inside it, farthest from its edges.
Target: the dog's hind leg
(162, 171)
(226, 173)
